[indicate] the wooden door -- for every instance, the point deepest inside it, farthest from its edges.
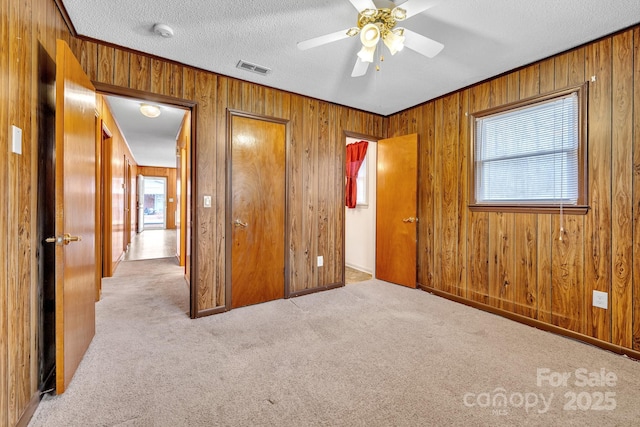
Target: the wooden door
(396, 210)
(75, 214)
(257, 210)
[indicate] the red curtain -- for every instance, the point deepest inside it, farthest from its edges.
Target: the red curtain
(355, 156)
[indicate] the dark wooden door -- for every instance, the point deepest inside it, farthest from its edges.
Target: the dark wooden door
(257, 210)
(75, 214)
(396, 210)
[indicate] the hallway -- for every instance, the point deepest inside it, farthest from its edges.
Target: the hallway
(152, 244)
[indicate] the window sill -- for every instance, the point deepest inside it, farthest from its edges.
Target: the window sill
(542, 209)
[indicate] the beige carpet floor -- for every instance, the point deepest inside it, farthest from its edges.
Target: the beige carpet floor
(368, 354)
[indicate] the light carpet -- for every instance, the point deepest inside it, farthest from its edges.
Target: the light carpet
(368, 354)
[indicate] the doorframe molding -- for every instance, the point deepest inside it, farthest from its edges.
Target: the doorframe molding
(348, 134)
(231, 113)
(109, 89)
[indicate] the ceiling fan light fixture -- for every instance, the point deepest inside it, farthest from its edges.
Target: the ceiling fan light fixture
(394, 40)
(353, 31)
(399, 14)
(370, 35)
(369, 13)
(366, 53)
(149, 110)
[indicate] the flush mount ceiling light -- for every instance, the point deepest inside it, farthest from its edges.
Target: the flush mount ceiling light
(163, 30)
(375, 24)
(149, 110)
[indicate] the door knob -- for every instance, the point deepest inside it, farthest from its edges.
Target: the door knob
(67, 238)
(239, 223)
(63, 240)
(410, 220)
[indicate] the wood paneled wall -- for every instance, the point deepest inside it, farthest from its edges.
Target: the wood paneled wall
(511, 261)
(516, 262)
(315, 156)
(172, 198)
(114, 209)
(315, 159)
(25, 26)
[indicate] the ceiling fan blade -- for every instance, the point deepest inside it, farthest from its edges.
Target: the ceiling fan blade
(361, 5)
(421, 44)
(414, 7)
(360, 68)
(319, 41)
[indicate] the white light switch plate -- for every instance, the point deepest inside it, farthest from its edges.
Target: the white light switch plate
(207, 201)
(320, 261)
(16, 139)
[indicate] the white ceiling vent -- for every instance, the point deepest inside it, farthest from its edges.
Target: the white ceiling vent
(244, 65)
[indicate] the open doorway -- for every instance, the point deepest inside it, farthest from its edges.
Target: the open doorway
(164, 157)
(154, 202)
(360, 221)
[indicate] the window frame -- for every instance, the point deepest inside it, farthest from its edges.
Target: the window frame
(581, 206)
(364, 180)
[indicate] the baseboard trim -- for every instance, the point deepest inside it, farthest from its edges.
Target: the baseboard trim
(633, 354)
(29, 411)
(210, 311)
(314, 290)
(359, 268)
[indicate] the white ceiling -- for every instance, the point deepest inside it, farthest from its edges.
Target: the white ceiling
(152, 140)
(482, 38)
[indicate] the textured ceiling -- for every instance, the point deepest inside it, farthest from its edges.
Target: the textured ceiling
(482, 38)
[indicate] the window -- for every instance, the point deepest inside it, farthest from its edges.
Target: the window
(362, 187)
(531, 155)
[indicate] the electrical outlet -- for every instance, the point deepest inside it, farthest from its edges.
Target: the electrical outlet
(320, 261)
(600, 299)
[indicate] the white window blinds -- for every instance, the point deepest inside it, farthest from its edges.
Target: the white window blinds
(529, 155)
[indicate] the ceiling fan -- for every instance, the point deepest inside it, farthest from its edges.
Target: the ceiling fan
(375, 24)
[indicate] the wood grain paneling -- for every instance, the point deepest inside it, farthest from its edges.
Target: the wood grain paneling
(426, 149)
(25, 28)
(207, 238)
(115, 154)
(525, 241)
(567, 295)
(463, 195)
(139, 72)
(5, 390)
(621, 197)
(592, 262)
(636, 189)
(106, 57)
(543, 266)
(598, 58)
(450, 193)
(122, 68)
(478, 245)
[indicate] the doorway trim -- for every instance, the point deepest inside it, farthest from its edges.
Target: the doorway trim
(192, 265)
(229, 200)
(356, 135)
(165, 194)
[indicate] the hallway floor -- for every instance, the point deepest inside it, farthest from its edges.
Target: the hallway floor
(152, 244)
(351, 275)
